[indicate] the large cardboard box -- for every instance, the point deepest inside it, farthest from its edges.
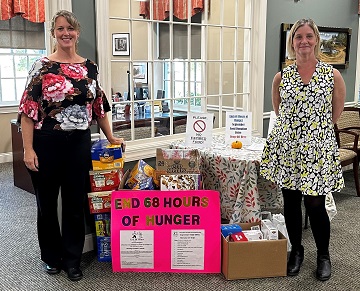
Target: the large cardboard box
(254, 259)
(178, 161)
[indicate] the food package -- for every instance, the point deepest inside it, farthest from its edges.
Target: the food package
(106, 156)
(105, 180)
(139, 177)
(99, 202)
(180, 182)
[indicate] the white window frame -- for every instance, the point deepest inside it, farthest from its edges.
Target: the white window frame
(255, 104)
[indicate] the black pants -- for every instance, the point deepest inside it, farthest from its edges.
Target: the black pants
(319, 219)
(64, 163)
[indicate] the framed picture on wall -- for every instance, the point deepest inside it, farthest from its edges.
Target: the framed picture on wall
(334, 46)
(121, 44)
(140, 73)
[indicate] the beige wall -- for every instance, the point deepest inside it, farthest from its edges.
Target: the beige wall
(5, 131)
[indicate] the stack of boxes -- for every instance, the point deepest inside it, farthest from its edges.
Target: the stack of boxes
(106, 176)
(178, 169)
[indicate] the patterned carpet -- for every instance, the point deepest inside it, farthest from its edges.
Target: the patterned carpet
(21, 268)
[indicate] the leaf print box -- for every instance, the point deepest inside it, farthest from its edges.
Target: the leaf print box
(253, 259)
(106, 156)
(178, 161)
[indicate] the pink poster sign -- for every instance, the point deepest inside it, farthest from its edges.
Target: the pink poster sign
(165, 231)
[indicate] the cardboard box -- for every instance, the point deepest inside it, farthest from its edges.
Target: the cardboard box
(106, 156)
(103, 248)
(178, 161)
(180, 182)
(99, 202)
(254, 259)
(105, 180)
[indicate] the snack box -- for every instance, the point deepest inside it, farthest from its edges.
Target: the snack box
(140, 177)
(99, 202)
(102, 224)
(103, 248)
(253, 259)
(227, 229)
(105, 180)
(178, 161)
(180, 182)
(106, 156)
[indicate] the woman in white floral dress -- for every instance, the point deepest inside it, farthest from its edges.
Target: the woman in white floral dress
(61, 99)
(301, 153)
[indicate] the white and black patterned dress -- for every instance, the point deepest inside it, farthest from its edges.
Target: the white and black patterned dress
(301, 151)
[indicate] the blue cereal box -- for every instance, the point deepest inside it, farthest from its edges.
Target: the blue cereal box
(103, 249)
(106, 156)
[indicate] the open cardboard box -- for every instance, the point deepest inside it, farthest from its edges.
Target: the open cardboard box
(253, 259)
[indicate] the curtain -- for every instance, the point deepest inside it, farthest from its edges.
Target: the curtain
(161, 8)
(32, 10)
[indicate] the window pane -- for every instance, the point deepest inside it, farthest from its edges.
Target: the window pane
(8, 89)
(179, 89)
(20, 86)
(6, 67)
(21, 66)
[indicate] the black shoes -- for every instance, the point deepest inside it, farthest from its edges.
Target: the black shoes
(74, 274)
(323, 271)
(295, 260)
(52, 270)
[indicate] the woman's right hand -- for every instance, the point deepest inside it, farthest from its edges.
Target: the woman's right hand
(31, 160)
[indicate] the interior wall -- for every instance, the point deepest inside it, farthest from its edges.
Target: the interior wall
(329, 13)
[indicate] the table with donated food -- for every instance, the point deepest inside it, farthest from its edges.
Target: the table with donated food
(244, 193)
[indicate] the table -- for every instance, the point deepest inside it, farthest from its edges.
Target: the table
(244, 193)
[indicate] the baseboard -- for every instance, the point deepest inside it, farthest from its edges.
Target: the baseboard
(89, 244)
(6, 157)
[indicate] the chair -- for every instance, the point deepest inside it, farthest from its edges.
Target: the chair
(347, 157)
(349, 120)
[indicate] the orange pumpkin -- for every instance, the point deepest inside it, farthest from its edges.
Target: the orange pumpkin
(236, 144)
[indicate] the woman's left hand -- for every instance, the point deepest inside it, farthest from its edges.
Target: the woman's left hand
(118, 140)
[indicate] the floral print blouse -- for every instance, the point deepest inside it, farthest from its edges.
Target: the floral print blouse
(63, 96)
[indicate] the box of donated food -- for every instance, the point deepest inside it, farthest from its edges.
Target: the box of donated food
(106, 156)
(178, 161)
(253, 259)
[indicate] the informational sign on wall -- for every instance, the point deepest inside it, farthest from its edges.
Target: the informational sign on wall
(161, 231)
(238, 127)
(199, 128)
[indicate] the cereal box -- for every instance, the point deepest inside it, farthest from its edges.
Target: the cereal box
(102, 224)
(180, 182)
(105, 180)
(103, 248)
(106, 156)
(99, 202)
(178, 161)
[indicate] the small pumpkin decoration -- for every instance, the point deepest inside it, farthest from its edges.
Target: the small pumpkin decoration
(236, 144)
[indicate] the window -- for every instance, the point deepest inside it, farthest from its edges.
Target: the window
(227, 74)
(21, 43)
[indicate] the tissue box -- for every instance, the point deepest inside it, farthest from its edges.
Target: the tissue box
(106, 156)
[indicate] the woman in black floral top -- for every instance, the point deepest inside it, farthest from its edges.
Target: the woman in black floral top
(61, 100)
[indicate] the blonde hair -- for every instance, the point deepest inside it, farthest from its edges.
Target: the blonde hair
(294, 28)
(70, 17)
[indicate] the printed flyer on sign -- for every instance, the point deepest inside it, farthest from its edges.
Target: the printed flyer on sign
(137, 249)
(187, 249)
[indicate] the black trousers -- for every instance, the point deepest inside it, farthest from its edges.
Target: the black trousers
(64, 163)
(319, 219)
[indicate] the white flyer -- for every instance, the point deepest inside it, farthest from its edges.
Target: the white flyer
(137, 249)
(187, 249)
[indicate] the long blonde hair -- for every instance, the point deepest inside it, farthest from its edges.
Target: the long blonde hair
(70, 17)
(294, 28)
